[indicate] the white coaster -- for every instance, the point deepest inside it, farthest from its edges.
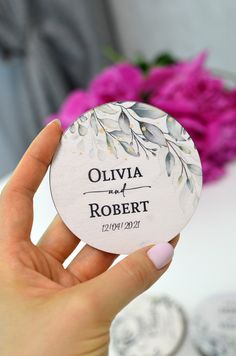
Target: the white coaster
(149, 326)
(214, 326)
(125, 175)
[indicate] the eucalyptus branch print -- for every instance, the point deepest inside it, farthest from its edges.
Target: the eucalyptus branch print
(139, 129)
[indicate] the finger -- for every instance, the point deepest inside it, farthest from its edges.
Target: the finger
(58, 240)
(16, 208)
(90, 262)
(115, 288)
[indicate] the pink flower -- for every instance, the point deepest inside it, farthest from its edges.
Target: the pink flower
(119, 82)
(200, 102)
(187, 91)
(75, 105)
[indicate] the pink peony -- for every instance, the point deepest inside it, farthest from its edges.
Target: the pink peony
(122, 81)
(187, 91)
(75, 105)
(119, 82)
(202, 104)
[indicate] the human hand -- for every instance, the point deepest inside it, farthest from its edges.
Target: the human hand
(45, 309)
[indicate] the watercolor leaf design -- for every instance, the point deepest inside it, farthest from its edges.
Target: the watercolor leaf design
(150, 139)
(82, 130)
(194, 169)
(143, 110)
(72, 128)
(184, 148)
(129, 148)
(109, 123)
(111, 145)
(94, 124)
(174, 128)
(170, 162)
(124, 123)
(107, 109)
(189, 183)
(152, 133)
(83, 118)
(120, 135)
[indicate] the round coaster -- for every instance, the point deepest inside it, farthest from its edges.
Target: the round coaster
(213, 327)
(149, 326)
(125, 175)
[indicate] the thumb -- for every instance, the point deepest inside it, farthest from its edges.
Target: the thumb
(116, 287)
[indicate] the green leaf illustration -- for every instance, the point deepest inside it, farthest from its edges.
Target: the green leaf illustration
(144, 110)
(180, 179)
(170, 162)
(175, 129)
(120, 135)
(129, 148)
(107, 109)
(83, 118)
(109, 123)
(111, 145)
(185, 149)
(124, 123)
(189, 183)
(153, 134)
(93, 123)
(82, 130)
(72, 128)
(194, 169)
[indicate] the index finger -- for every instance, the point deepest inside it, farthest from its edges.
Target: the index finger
(16, 208)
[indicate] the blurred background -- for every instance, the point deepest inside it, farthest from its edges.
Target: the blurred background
(49, 48)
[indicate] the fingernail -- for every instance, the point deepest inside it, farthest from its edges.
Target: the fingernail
(161, 254)
(55, 121)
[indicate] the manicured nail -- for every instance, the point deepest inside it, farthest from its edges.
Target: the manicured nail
(161, 254)
(55, 121)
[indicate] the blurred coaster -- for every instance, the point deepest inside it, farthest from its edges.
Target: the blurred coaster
(149, 326)
(213, 327)
(125, 175)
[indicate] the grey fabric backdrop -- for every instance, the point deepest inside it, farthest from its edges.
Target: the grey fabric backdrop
(47, 47)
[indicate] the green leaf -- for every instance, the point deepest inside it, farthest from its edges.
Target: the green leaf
(83, 118)
(189, 183)
(153, 134)
(126, 104)
(174, 128)
(170, 162)
(107, 109)
(82, 130)
(111, 145)
(93, 123)
(124, 123)
(72, 128)
(120, 135)
(109, 123)
(195, 169)
(129, 148)
(144, 110)
(165, 59)
(180, 179)
(185, 149)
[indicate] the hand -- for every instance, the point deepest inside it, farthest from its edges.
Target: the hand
(45, 309)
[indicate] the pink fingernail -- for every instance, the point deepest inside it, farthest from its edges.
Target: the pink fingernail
(161, 254)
